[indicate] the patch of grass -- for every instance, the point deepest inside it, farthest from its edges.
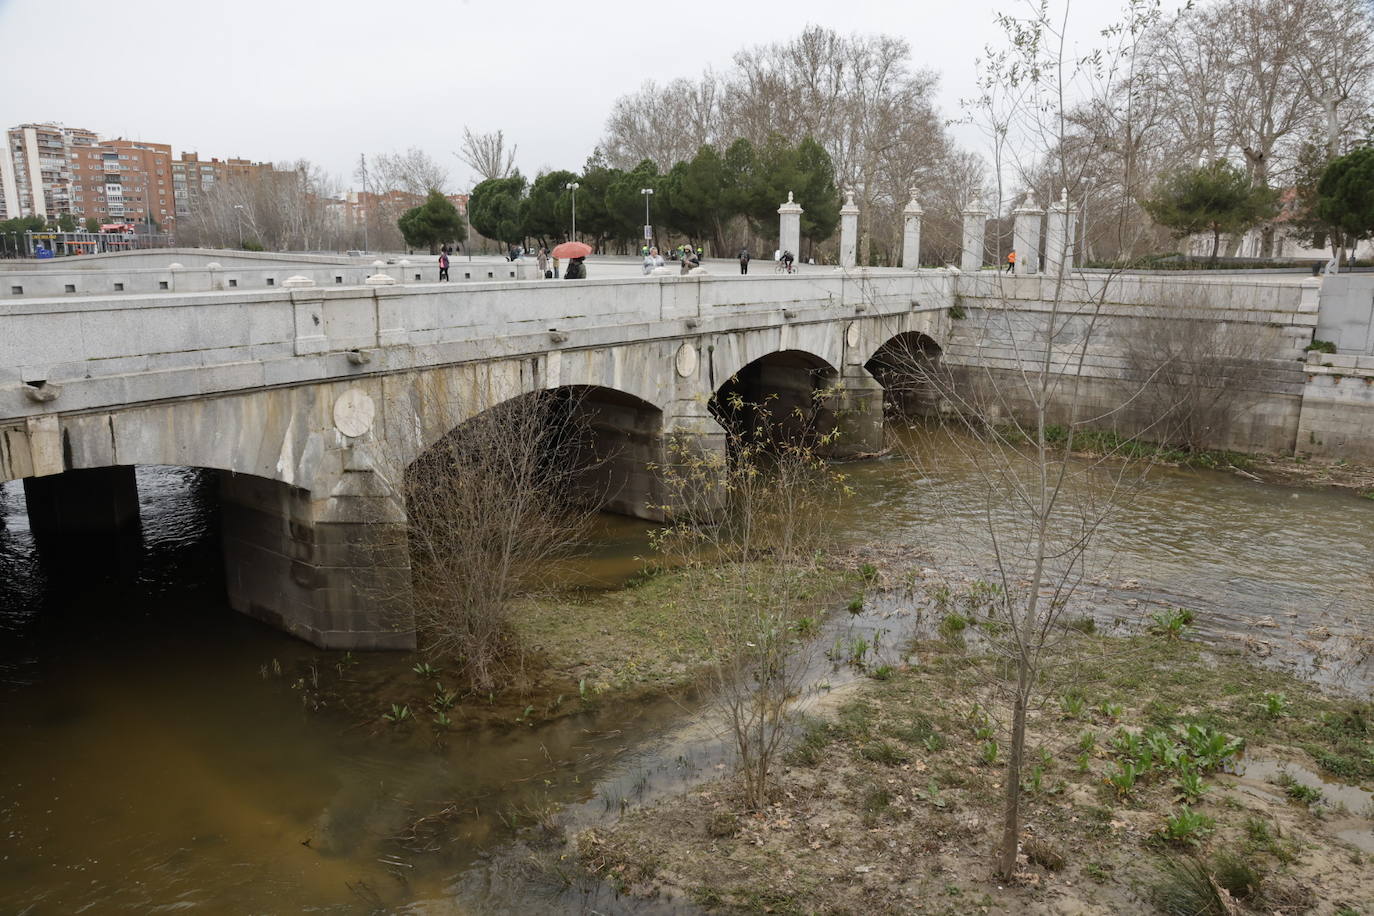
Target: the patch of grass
(1237, 875)
(1185, 888)
(952, 625)
(1298, 792)
(884, 752)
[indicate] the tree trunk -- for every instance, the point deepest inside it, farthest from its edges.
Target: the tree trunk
(1216, 243)
(1011, 812)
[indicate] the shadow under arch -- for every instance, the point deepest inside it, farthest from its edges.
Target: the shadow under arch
(778, 397)
(607, 438)
(908, 366)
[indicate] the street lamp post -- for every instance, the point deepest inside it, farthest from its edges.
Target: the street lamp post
(573, 186)
(648, 226)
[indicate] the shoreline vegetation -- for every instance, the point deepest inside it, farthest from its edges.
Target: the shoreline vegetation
(1166, 776)
(1292, 471)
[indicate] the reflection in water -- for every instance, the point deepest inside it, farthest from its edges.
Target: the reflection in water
(149, 763)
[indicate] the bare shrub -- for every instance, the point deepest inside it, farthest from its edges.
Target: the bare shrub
(757, 521)
(1195, 371)
(492, 506)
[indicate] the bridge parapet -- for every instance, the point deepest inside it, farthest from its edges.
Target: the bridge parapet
(102, 352)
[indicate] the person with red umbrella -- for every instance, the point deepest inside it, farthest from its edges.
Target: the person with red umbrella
(575, 252)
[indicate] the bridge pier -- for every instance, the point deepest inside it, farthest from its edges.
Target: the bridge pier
(95, 501)
(695, 454)
(858, 411)
(333, 571)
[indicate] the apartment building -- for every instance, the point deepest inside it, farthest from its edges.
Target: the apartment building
(125, 181)
(193, 178)
(51, 171)
(36, 173)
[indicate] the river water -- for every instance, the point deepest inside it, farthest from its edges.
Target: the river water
(156, 753)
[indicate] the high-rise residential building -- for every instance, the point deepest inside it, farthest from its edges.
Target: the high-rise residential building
(51, 171)
(36, 174)
(124, 181)
(194, 177)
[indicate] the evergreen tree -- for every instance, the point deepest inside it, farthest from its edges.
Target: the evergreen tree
(1345, 195)
(435, 221)
(494, 208)
(1215, 198)
(547, 211)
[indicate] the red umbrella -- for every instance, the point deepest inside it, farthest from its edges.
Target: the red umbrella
(570, 250)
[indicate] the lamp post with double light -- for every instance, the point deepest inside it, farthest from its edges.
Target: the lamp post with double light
(573, 186)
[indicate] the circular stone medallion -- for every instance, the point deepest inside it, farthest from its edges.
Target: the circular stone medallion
(353, 413)
(686, 360)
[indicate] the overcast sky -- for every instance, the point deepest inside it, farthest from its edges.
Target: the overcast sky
(286, 79)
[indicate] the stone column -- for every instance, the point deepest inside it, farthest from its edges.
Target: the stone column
(695, 443)
(1026, 236)
(975, 229)
(789, 226)
(911, 233)
(849, 231)
(1059, 229)
(858, 412)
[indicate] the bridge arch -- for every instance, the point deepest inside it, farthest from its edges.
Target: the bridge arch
(611, 437)
(908, 365)
(779, 395)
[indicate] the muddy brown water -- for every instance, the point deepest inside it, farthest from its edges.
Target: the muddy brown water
(151, 760)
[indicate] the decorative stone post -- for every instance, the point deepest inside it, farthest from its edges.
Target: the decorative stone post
(849, 230)
(975, 229)
(1025, 236)
(789, 226)
(911, 233)
(1059, 229)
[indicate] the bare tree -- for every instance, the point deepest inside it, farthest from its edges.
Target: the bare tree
(486, 154)
(1195, 371)
(412, 171)
(759, 520)
(1023, 402)
(289, 207)
(492, 506)
(664, 124)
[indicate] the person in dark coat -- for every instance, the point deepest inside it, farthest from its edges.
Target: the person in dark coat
(744, 260)
(577, 270)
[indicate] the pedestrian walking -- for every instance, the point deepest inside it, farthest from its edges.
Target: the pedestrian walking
(577, 270)
(555, 268)
(443, 266)
(744, 260)
(542, 259)
(1011, 260)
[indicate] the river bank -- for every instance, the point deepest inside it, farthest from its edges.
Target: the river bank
(891, 803)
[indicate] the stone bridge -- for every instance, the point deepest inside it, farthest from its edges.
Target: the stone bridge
(293, 381)
(292, 392)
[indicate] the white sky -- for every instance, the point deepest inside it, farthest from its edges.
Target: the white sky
(291, 79)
